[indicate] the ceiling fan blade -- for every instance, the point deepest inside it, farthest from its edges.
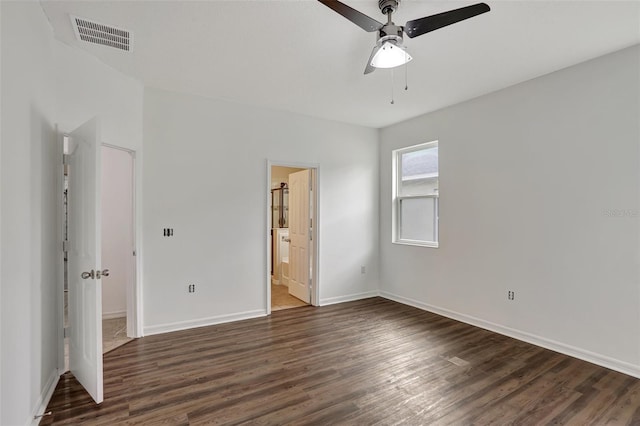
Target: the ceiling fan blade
(370, 68)
(358, 18)
(431, 23)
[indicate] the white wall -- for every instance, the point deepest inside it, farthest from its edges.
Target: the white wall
(528, 178)
(86, 88)
(2, 83)
(117, 230)
(43, 83)
(205, 176)
(29, 244)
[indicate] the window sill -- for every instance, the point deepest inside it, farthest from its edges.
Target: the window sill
(429, 244)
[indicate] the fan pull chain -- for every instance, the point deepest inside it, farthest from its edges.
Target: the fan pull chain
(392, 101)
(406, 72)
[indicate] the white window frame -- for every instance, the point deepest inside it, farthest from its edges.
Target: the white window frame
(396, 216)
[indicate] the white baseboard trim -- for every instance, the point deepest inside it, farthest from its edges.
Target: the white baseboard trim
(45, 397)
(185, 325)
(348, 298)
(113, 315)
(585, 355)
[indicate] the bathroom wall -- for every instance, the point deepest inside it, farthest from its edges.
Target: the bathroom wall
(281, 174)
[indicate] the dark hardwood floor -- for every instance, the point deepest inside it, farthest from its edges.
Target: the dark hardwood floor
(366, 362)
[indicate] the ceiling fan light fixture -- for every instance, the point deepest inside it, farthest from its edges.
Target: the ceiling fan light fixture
(389, 51)
(390, 55)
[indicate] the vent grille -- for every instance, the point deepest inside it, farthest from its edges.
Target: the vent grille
(94, 32)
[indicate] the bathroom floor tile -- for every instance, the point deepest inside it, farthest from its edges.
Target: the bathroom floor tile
(281, 299)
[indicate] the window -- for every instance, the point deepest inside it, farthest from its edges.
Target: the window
(415, 195)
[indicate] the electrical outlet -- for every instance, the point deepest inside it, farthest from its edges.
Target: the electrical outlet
(511, 295)
(363, 269)
(192, 288)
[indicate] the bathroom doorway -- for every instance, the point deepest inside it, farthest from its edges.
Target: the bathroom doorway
(292, 236)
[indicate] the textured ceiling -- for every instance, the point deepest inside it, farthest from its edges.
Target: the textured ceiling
(300, 56)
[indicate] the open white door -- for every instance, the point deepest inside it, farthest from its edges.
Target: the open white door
(84, 263)
(299, 232)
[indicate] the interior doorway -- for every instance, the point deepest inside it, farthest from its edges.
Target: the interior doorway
(118, 245)
(117, 220)
(292, 236)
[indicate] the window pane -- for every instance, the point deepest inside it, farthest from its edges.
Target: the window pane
(419, 172)
(417, 219)
(420, 164)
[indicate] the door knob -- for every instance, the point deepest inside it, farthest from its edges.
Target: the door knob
(87, 275)
(103, 273)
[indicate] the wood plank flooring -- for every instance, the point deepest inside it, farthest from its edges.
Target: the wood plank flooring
(372, 361)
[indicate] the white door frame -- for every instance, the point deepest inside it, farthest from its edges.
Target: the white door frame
(133, 299)
(60, 219)
(315, 243)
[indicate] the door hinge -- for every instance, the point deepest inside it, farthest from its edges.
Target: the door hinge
(65, 332)
(65, 246)
(65, 159)
(134, 253)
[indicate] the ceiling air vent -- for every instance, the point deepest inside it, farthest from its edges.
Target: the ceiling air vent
(106, 35)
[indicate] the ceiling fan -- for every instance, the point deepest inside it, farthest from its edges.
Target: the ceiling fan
(389, 51)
